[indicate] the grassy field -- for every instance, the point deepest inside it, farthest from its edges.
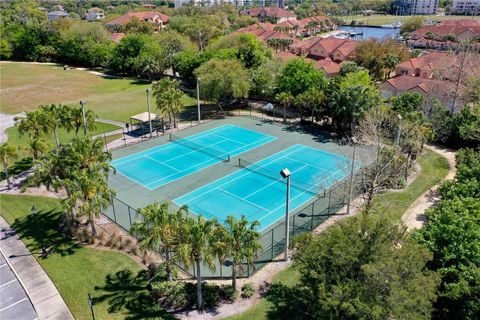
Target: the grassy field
(76, 270)
(434, 168)
(26, 86)
(378, 20)
(21, 142)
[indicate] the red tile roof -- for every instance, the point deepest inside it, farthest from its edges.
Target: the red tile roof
(269, 12)
(430, 86)
(331, 68)
(151, 16)
(116, 37)
(303, 22)
(452, 27)
(264, 31)
(443, 62)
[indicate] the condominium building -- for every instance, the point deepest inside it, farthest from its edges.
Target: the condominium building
(415, 7)
(467, 7)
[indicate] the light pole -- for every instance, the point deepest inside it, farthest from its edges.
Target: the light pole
(285, 173)
(82, 104)
(350, 193)
(37, 229)
(198, 99)
(148, 108)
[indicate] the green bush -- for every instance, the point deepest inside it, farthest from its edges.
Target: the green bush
(172, 294)
(228, 293)
(247, 290)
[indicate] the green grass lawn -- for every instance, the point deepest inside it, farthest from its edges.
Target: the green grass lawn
(21, 142)
(377, 20)
(76, 270)
(434, 168)
(26, 86)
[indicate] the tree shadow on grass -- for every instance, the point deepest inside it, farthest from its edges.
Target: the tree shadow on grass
(43, 230)
(287, 303)
(18, 167)
(124, 290)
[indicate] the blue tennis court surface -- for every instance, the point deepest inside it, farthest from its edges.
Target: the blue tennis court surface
(158, 166)
(258, 192)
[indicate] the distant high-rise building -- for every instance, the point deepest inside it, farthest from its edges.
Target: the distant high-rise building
(415, 7)
(467, 7)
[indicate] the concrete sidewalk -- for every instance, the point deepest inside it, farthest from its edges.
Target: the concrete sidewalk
(42, 292)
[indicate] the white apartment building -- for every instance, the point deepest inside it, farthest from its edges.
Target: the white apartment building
(416, 7)
(467, 7)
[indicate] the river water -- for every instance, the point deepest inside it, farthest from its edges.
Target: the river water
(371, 32)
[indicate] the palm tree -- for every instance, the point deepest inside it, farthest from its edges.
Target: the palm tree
(38, 145)
(285, 99)
(90, 195)
(87, 153)
(168, 98)
(312, 100)
(56, 117)
(34, 124)
(7, 153)
(75, 120)
(197, 245)
(240, 242)
(159, 230)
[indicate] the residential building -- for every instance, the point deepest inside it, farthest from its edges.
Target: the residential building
(446, 35)
(94, 14)
(54, 15)
(270, 14)
(318, 48)
(308, 26)
(329, 67)
(414, 7)
(117, 36)
(156, 18)
(265, 31)
(466, 7)
(440, 65)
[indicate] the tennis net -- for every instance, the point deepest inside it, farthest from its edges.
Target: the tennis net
(314, 189)
(198, 147)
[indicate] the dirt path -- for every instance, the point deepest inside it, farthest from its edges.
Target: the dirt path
(414, 217)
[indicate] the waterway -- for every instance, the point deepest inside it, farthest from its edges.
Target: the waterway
(371, 32)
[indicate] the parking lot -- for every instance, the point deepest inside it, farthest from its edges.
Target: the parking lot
(14, 302)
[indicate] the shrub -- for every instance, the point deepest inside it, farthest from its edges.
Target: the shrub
(171, 294)
(228, 293)
(247, 290)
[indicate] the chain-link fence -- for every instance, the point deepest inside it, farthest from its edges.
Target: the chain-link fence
(273, 238)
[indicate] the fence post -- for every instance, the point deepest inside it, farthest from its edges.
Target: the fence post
(311, 217)
(113, 208)
(272, 245)
(129, 217)
(329, 199)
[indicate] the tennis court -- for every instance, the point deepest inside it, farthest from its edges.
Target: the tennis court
(258, 191)
(155, 167)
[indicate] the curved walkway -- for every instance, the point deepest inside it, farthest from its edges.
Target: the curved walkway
(414, 217)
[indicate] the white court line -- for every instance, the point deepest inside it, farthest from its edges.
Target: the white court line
(243, 199)
(199, 163)
(291, 200)
(13, 304)
(168, 145)
(236, 172)
(7, 283)
(3, 265)
(163, 163)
